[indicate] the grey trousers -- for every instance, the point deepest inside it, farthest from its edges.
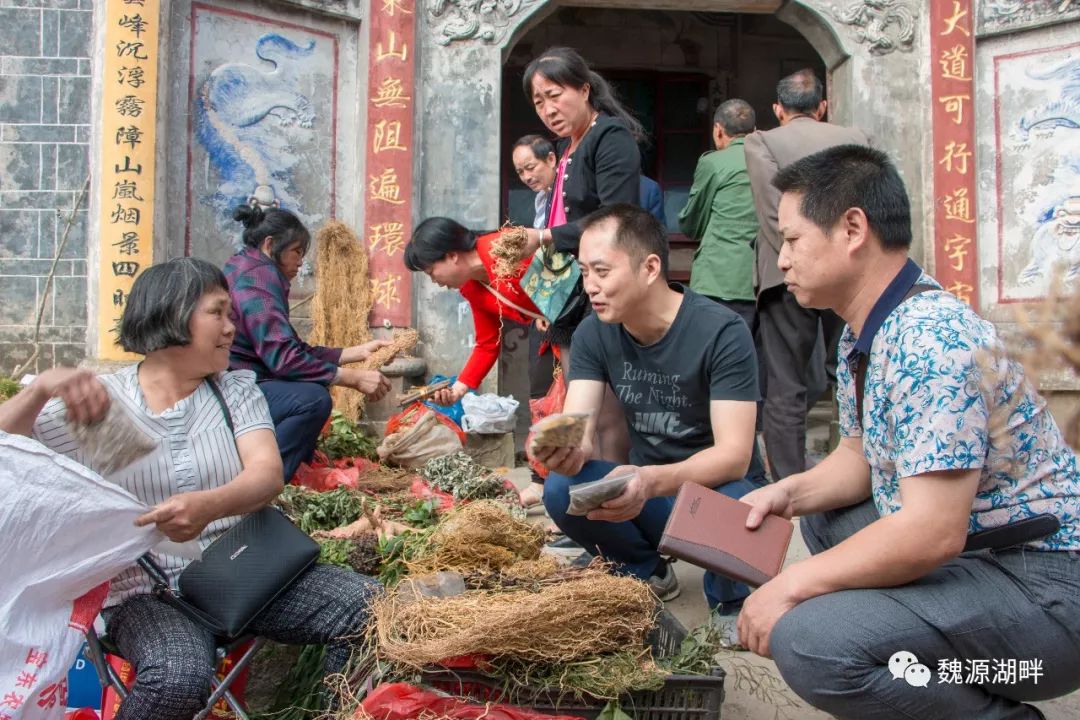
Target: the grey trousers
(789, 333)
(991, 606)
(173, 657)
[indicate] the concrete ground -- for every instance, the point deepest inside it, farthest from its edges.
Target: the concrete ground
(754, 688)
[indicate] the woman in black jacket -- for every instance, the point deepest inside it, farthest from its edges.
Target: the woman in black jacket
(599, 160)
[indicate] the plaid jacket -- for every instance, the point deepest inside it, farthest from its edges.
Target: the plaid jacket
(266, 341)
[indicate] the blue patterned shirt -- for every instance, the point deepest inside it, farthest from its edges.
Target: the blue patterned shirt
(942, 395)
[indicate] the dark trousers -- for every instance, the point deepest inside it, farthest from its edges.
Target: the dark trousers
(174, 657)
(996, 607)
(747, 310)
(788, 335)
(299, 411)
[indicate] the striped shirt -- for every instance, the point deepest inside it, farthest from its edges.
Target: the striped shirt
(194, 451)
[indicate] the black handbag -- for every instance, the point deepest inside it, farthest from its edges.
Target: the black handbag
(245, 569)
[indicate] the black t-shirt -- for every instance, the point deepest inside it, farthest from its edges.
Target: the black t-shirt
(665, 388)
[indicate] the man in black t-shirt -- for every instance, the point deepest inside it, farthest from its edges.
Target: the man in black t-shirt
(685, 372)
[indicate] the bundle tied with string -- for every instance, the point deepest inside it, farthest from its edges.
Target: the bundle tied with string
(593, 613)
(342, 301)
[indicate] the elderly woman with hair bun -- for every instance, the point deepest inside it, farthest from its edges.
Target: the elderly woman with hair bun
(292, 374)
(199, 478)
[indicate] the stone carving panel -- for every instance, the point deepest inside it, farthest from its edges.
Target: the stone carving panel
(263, 120)
(483, 20)
(998, 16)
(884, 25)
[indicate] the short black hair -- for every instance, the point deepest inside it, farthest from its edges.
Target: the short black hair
(637, 232)
(736, 117)
(801, 91)
(851, 176)
(434, 239)
(541, 147)
(282, 226)
(158, 311)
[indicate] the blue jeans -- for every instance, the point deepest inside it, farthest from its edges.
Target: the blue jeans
(299, 411)
(631, 544)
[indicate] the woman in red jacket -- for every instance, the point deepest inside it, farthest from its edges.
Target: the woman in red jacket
(455, 257)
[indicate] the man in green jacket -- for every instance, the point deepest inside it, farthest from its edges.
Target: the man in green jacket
(720, 215)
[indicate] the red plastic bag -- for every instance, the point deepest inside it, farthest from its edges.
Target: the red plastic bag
(414, 412)
(540, 408)
(401, 701)
(423, 491)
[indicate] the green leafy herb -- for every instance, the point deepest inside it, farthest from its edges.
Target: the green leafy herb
(8, 388)
(346, 440)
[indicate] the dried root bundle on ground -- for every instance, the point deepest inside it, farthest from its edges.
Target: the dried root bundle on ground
(342, 301)
(591, 614)
(402, 341)
(480, 536)
(508, 250)
(465, 479)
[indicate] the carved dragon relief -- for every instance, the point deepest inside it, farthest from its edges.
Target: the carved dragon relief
(484, 20)
(886, 25)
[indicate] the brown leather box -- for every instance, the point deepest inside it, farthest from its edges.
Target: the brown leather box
(708, 529)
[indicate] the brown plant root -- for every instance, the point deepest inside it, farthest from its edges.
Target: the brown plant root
(508, 250)
(591, 614)
(342, 301)
(403, 340)
(482, 535)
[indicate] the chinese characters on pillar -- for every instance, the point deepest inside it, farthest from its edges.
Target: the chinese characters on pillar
(952, 48)
(126, 174)
(388, 167)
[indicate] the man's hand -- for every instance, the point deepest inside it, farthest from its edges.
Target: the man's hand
(628, 505)
(450, 395)
(181, 517)
(770, 500)
(370, 382)
(564, 461)
(83, 393)
(762, 610)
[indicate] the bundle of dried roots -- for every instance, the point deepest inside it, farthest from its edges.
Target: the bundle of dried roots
(508, 249)
(403, 340)
(480, 536)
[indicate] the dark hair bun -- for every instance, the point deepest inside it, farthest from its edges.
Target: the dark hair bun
(249, 215)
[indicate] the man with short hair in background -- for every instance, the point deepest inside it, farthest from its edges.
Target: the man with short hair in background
(720, 215)
(789, 331)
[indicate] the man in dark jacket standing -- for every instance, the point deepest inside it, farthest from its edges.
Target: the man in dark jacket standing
(788, 331)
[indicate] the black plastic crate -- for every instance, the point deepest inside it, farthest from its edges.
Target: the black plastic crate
(682, 697)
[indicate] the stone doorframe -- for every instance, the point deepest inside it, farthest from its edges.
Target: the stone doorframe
(877, 66)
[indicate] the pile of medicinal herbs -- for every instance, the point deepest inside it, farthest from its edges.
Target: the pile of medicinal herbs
(346, 440)
(465, 479)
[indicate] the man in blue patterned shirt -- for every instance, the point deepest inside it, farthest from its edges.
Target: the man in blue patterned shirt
(942, 439)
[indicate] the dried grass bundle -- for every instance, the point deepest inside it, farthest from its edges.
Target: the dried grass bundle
(403, 340)
(508, 250)
(382, 480)
(342, 301)
(594, 613)
(482, 535)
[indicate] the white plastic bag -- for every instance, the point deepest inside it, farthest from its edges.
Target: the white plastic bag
(488, 413)
(64, 533)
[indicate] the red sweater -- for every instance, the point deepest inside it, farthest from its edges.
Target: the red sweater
(487, 310)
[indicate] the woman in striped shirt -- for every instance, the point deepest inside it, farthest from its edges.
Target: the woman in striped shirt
(197, 481)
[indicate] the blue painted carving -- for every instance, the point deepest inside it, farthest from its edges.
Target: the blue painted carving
(245, 117)
(1054, 126)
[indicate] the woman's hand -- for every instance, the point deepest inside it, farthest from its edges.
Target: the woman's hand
(182, 516)
(83, 393)
(542, 325)
(450, 395)
(359, 353)
(370, 382)
(532, 241)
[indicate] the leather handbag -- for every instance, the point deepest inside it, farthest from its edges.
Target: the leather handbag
(244, 569)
